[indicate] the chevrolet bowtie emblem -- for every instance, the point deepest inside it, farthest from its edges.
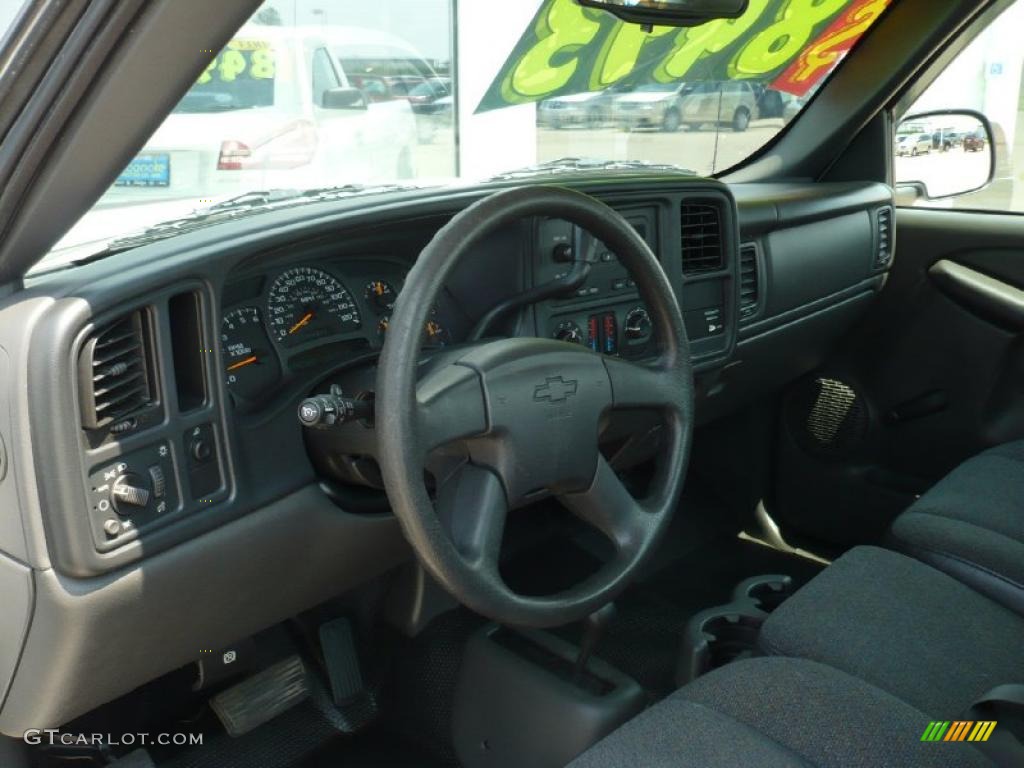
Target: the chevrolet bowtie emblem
(555, 390)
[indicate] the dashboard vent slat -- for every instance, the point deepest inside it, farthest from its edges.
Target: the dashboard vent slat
(702, 244)
(114, 376)
(750, 281)
(885, 237)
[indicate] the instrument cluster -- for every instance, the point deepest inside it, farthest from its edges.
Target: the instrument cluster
(297, 319)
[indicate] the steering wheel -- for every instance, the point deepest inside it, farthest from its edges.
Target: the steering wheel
(525, 414)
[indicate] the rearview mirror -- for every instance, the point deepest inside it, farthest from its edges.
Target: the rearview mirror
(343, 98)
(670, 13)
(944, 154)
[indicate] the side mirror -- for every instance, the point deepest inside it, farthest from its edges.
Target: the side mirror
(343, 98)
(944, 154)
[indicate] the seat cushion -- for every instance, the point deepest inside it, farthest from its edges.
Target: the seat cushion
(770, 712)
(904, 627)
(971, 525)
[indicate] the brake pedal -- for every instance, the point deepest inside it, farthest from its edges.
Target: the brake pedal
(262, 697)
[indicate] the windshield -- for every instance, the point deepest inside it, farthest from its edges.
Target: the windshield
(322, 93)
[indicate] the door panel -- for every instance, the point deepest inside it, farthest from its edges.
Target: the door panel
(933, 375)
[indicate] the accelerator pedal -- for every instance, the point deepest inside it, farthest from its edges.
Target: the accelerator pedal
(262, 697)
(354, 706)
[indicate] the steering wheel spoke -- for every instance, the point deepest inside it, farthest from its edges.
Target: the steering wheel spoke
(472, 507)
(644, 385)
(449, 407)
(610, 507)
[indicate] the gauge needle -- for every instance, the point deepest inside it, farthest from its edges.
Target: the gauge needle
(301, 324)
(243, 363)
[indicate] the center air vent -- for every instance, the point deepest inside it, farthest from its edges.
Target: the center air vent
(749, 281)
(113, 370)
(884, 255)
(701, 224)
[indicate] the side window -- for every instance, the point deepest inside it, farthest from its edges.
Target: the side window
(324, 76)
(945, 154)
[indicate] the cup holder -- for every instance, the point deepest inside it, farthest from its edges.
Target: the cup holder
(766, 592)
(727, 633)
(733, 637)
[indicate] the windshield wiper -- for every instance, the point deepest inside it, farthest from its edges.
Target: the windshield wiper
(234, 208)
(582, 164)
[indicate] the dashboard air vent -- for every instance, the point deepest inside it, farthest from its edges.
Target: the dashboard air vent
(884, 255)
(749, 281)
(703, 249)
(114, 380)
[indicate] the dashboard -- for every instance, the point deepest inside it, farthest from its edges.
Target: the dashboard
(286, 320)
(164, 382)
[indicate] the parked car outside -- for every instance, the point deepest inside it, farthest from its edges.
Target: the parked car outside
(386, 68)
(732, 102)
(433, 104)
(273, 109)
(423, 98)
(778, 104)
(974, 142)
(591, 109)
(672, 105)
(913, 144)
(652, 105)
(945, 139)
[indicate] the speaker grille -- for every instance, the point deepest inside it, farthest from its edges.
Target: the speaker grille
(827, 417)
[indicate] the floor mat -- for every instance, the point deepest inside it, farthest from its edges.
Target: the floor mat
(375, 749)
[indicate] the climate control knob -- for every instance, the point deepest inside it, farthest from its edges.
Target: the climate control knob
(570, 332)
(638, 324)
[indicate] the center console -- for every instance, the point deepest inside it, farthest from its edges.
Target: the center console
(695, 240)
(525, 698)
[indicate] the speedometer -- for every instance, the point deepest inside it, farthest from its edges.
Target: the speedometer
(305, 304)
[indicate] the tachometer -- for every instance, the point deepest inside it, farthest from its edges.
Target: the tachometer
(305, 304)
(251, 364)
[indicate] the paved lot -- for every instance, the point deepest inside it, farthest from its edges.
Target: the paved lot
(945, 173)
